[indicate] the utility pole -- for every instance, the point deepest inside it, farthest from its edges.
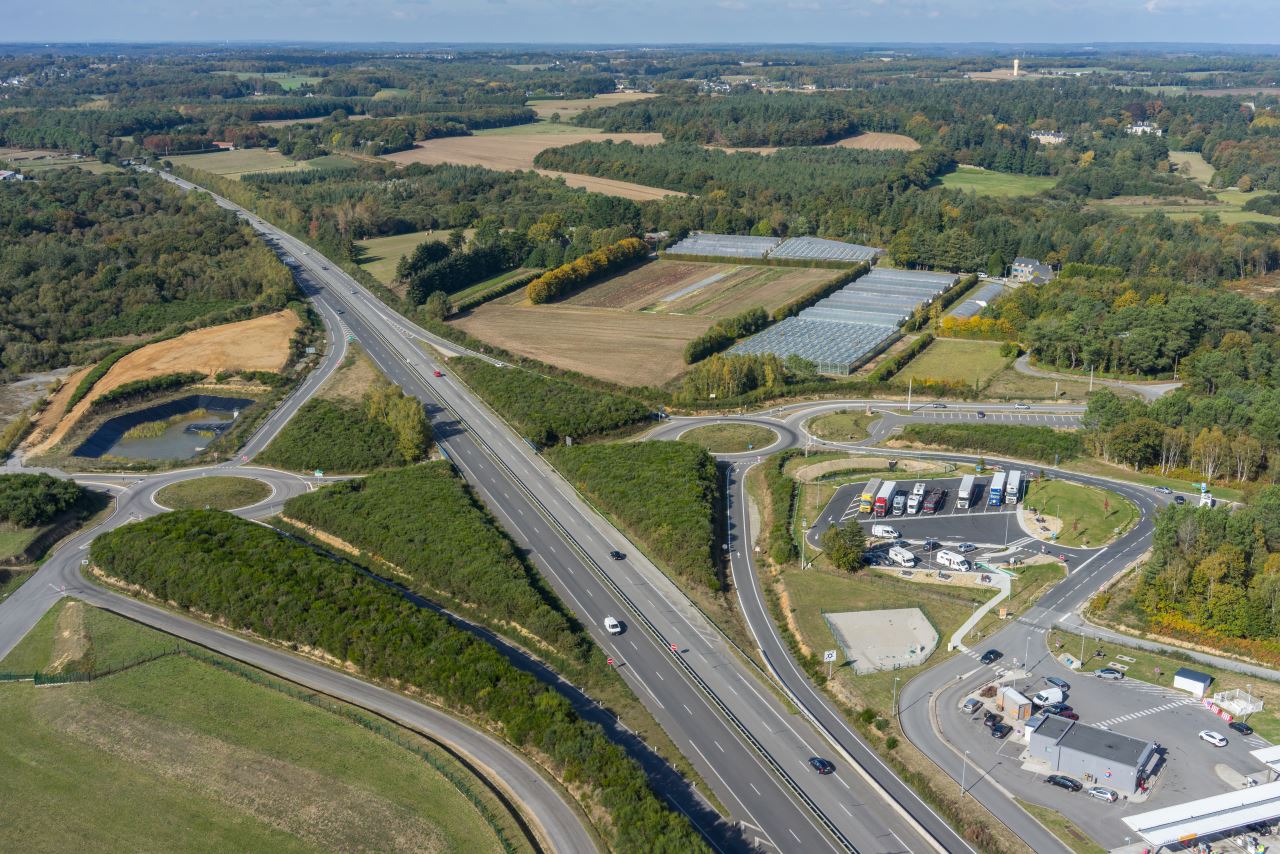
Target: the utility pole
(1091, 378)
(910, 382)
(964, 767)
(893, 706)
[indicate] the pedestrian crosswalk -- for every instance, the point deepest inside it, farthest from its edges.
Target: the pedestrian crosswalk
(1181, 701)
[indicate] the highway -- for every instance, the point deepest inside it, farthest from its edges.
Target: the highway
(743, 740)
(1089, 570)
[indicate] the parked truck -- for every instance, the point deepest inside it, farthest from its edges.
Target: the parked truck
(966, 492)
(868, 497)
(884, 496)
(1013, 488)
(995, 492)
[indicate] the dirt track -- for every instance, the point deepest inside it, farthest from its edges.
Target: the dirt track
(260, 344)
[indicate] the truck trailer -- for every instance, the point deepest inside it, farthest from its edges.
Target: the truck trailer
(1013, 489)
(995, 492)
(966, 492)
(884, 496)
(868, 498)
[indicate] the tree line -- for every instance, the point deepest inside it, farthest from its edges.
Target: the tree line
(28, 500)
(256, 580)
(567, 278)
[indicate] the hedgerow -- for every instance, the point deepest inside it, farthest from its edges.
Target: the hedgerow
(567, 278)
(254, 579)
(1015, 440)
(138, 389)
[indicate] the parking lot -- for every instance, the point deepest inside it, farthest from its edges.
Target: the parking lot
(1044, 419)
(1188, 768)
(990, 529)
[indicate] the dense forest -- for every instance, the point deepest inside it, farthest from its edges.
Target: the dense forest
(665, 494)
(256, 580)
(126, 254)
(426, 522)
(27, 500)
(1214, 574)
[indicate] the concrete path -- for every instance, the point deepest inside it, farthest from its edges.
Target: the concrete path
(1147, 391)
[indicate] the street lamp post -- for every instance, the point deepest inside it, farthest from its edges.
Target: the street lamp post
(964, 767)
(1026, 654)
(893, 706)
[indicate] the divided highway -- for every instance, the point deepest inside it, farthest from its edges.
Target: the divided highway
(743, 740)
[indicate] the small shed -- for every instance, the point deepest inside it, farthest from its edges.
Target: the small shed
(1193, 682)
(1013, 704)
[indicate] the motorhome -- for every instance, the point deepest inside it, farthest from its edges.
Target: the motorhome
(901, 556)
(899, 503)
(916, 499)
(952, 560)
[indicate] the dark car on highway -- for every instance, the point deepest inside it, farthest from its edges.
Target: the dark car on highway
(1064, 782)
(616, 555)
(822, 766)
(1241, 727)
(1001, 730)
(1178, 499)
(992, 655)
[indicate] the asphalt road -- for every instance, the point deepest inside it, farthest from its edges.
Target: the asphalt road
(745, 743)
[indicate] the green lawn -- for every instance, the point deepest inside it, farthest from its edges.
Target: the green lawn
(1146, 664)
(812, 592)
(1090, 516)
(233, 164)
(382, 254)
(1229, 209)
(287, 79)
(218, 493)
(958, 360)
(1192, 165)
(180, 754)
(987, 183)
(13, 542)
(730, 438)
(846, 425)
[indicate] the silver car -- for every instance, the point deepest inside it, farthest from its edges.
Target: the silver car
(1103, 794)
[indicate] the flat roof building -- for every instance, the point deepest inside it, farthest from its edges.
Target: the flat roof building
(1094, 756)
(1193, 682)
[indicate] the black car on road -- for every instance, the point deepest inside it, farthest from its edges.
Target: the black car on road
(1240, 727)
(822, 766)
(992, 655)
(616, 555)
(1064, 782)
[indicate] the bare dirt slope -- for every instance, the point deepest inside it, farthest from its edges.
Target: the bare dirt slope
(259, 344)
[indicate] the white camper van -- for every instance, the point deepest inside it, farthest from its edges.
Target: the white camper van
(953, 560)
(901, 556)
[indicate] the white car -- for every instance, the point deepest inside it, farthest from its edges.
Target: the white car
(612, 626)
(1021, 406)
(1216, 739)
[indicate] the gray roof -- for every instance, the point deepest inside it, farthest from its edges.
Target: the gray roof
(833, 345)
(1022, 260)
(1102, 743)
(820, 249)
(1193, 675)
(978, 300)
(725, 245)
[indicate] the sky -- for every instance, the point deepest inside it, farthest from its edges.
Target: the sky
(648, 21)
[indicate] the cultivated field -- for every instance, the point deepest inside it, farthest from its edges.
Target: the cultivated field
(1228, 207)
(178, 754)
(570, 107)
(876, 141)
(632, 328)
(956, 360)
(243, 161)
(314, 120)
(259, 344)
(624, 347)
(987, 183)
(707, 290)
(514, 151)
(382, 254)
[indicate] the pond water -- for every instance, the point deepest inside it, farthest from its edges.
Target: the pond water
(189, 433)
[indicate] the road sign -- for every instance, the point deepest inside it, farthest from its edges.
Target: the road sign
(829, 655)
(675, 648)
(611, 661)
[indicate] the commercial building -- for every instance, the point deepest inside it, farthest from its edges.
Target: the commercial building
(1092, 755)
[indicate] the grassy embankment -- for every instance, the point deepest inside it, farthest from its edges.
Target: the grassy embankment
(847, 425)
(1090, 516)
(175, 744)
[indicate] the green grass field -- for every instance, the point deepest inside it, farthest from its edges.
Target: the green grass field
(542, 126)
(388, 93)
(846, 425)
(812, 592)
(287, 80)
(987, 183)
(179, 754)
(1090, 516)
(1229, 209)
(956, 360)
(1070, 835)
(13, 542)
(382, 254)
(218, 493)
(730, 438)
(233, 164)
(1193, 165)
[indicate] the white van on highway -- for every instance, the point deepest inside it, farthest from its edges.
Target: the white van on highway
(953, 560)
(888, 532)
(901, 556)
